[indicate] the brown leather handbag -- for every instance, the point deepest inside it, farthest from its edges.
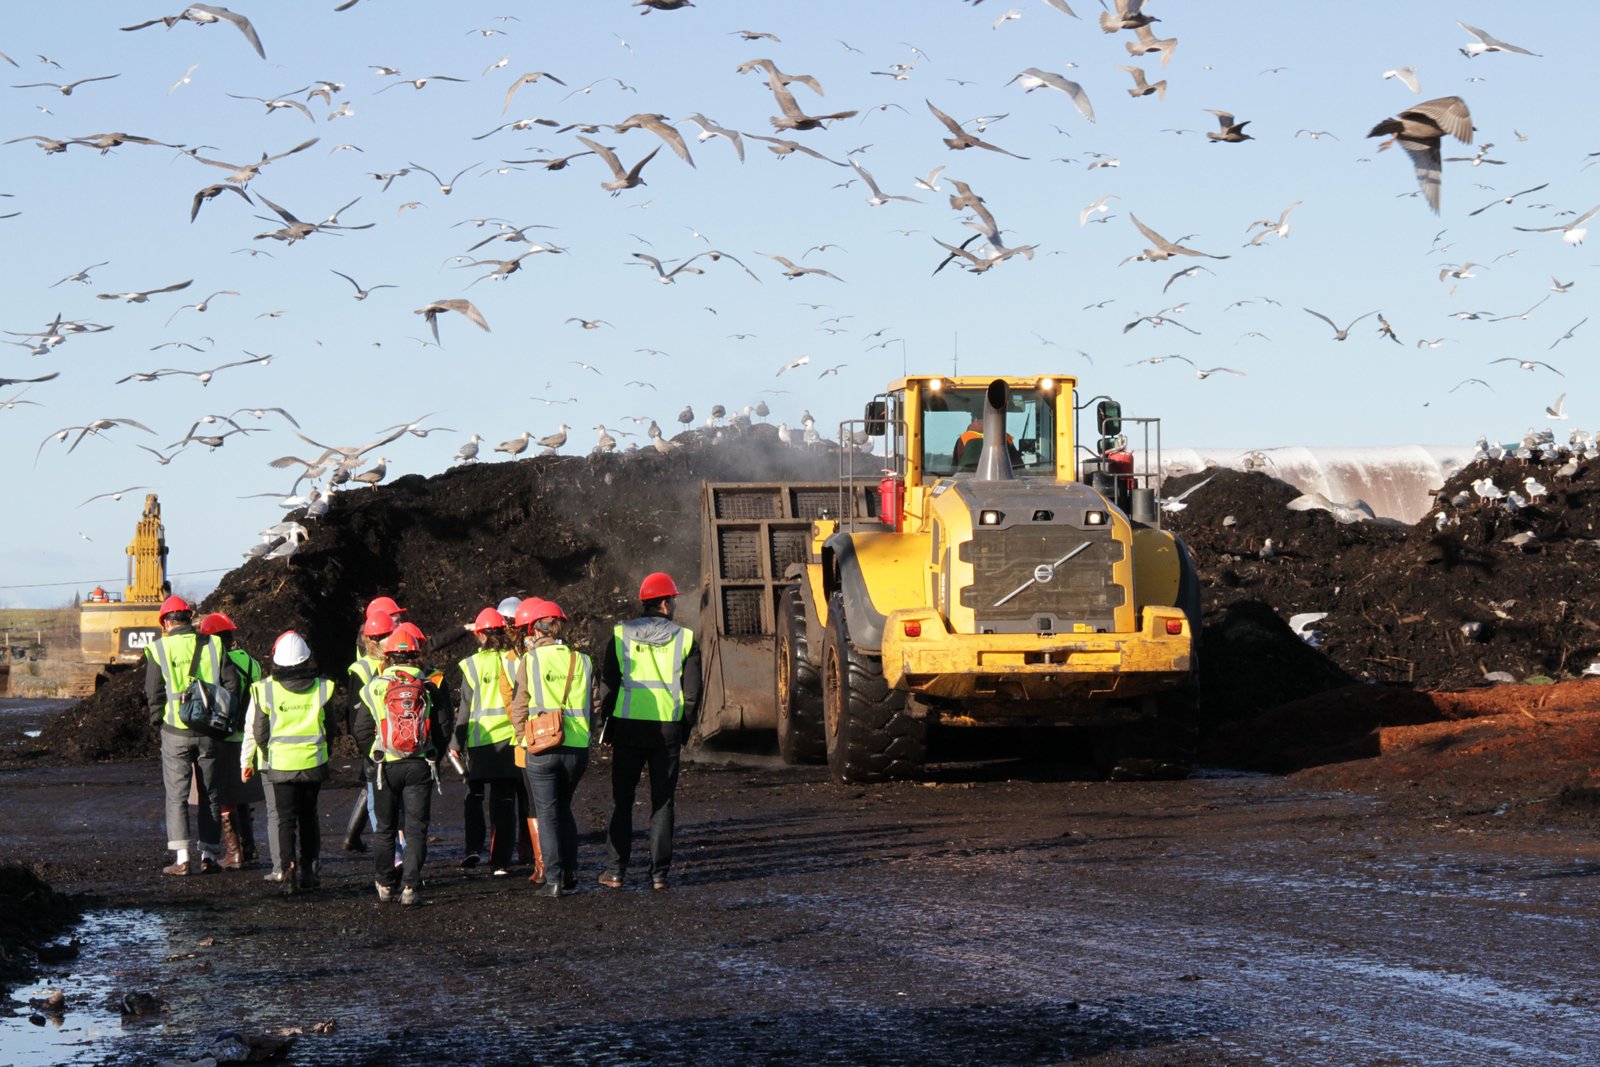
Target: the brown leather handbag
(543, 730)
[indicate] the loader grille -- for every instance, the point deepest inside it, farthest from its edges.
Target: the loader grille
(1013, 560)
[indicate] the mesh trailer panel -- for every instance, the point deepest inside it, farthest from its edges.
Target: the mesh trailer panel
(752, 502)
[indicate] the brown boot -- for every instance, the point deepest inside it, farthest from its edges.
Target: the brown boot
(232, 856)
(537, 877)
(246, 832)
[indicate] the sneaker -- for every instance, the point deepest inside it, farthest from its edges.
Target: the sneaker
(501, 872)
(659, 882)
(384, 892)
(273, 876)
(470, 860)
(410, 895)
(611, 881)
(187, 867)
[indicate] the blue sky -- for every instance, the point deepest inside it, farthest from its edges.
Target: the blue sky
(347, 368)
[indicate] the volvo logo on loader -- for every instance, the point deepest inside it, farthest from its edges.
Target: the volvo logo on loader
(1044, 572)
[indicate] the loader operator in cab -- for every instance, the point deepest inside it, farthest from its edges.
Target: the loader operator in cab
(970, 445)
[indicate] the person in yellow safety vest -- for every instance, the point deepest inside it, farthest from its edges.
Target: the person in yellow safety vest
(554, 676)
(379, 623)
(238, 835)
(483, 732)
(649, 698)
(185, 753)
(288, 720)
(402, 780)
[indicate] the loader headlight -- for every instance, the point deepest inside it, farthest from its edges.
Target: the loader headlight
(1095, 518)
(1046, 384)
(990, 518)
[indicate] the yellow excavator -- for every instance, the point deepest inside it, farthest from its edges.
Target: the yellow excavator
(992, 573)
(114, 631)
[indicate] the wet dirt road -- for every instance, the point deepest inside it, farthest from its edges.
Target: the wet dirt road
(974, 920)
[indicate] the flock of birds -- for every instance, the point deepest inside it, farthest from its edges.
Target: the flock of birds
(501, 249)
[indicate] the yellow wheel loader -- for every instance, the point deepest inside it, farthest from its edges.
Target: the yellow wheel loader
(989, 572)
(115, 631)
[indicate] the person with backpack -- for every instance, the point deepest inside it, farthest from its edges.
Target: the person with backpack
(238, 835)
(483, 732)
(172, 662)
(379, 622)
(553, 694)
(402, 735)
(649, 697)
(288, 720)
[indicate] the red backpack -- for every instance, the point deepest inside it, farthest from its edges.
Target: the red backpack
(404, 730)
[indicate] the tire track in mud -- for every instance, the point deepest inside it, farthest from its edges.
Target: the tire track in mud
(1418, 959)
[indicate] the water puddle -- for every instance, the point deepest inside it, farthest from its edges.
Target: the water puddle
(89, 1029)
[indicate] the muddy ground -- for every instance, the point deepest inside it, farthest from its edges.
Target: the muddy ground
(1417, 885)
(1002, 913)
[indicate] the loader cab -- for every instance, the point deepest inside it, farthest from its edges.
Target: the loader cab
(935, 426)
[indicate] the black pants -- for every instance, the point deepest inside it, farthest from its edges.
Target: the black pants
(508, 806)
(403, 786)
(296, 803)
(627, 763)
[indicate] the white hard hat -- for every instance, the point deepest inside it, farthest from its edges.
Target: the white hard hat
(290, 650)
(508, 607)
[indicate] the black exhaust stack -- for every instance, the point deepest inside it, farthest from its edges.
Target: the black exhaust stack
(994, 462)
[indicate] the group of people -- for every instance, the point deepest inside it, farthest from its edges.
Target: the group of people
(518, 717)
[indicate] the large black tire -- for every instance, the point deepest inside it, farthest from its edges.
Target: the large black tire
(799, 687)
(870, 735)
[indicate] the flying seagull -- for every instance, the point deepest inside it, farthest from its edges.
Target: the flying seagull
(464, 307)
(1033, 78)
(1231, 132)
(527, 79)
(1338, 334)
(622, 179)
(1419, 131)
(960, 138)
(66, 90)
(1486, 43)
(361, 294)
(206, 15)
(1164, 249)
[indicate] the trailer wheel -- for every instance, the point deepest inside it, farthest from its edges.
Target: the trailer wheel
(870, 736)
(799, 696)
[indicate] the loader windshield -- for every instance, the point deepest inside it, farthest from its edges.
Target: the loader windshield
(952, 432)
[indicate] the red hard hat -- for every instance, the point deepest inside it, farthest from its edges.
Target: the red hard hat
(378, 623)
(656, 586)
(530, 611)
(533, 609)
(414, 630)
(489, 619)
(402, 641)
(216, 623)
(172, 605)
(385, 603)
